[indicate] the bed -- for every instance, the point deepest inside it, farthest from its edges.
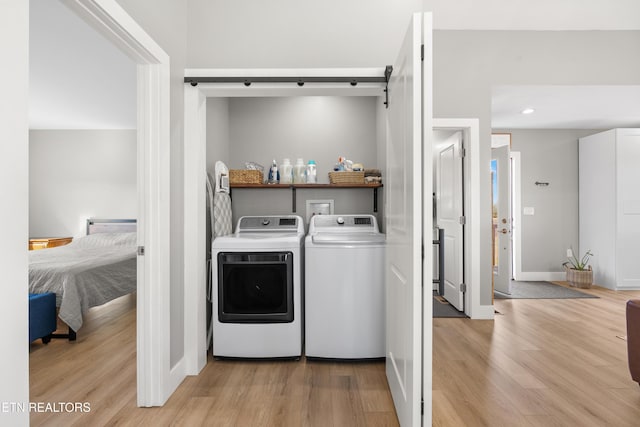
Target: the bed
(90, 271)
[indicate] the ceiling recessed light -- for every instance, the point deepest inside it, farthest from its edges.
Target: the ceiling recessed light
(527, 111)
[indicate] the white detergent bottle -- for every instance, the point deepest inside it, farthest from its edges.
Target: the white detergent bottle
(312, 172)
(286, 172)
(298, 172)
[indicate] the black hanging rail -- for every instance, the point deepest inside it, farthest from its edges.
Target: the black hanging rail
(300, 81)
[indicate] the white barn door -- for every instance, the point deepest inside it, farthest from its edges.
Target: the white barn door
(404, 229)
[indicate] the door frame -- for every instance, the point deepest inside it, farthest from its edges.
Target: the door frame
(195, 143)
(472, 244)
(516, 215)
(156, 381)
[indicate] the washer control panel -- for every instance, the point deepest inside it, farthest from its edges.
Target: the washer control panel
(352, 222)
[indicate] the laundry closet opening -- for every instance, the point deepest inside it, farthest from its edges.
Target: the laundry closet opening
(320, 119)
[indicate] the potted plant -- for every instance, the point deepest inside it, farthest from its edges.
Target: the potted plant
(579, 272)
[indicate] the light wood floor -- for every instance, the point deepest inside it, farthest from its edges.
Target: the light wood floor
(100, 368)
(540, 363)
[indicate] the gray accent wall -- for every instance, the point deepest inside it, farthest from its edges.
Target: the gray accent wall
(314, 127)
(79, 174)
(217, 132)
(551, 156)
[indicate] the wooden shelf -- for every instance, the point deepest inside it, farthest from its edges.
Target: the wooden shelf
(294, 187)
(305, 185)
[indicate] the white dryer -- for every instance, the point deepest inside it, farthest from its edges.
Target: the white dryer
(344, 288)
(257, 298)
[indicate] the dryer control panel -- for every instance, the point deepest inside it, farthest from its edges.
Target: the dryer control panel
(269, 223)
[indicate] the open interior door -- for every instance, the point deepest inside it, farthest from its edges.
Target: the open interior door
(501, 177)
(450, 215)
(404, 229)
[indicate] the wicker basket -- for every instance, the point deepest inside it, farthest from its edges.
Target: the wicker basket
(579, 278)
(346, 177)
(245, 176)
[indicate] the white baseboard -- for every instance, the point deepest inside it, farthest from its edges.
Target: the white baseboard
(176, 376)
(627, 288)
(483, 312)
(542, 276)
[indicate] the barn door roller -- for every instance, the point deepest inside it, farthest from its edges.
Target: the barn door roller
(387, 75)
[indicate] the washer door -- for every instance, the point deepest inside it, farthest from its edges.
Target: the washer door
(255, 287)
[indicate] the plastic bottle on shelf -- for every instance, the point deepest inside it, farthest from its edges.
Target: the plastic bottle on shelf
(274, 175)
(286, 172)
(298, 172)
(312, 172)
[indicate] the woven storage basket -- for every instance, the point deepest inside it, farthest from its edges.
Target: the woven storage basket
(245, 176)
(580, 278)
(346, 177)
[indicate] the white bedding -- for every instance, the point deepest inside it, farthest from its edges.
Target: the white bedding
(88, 272)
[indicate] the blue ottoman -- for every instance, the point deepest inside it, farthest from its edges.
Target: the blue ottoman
(42, 316)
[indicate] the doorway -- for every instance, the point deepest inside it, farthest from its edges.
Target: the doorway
(448, 190)
(506, 212)
(155, 381)
(470, 182)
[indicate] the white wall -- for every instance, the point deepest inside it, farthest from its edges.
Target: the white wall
(79, 174)
(468, 63)
(14, 176)
(539, 15)
(67, 57)
(548, 156)
(166, 22)
(291, 34)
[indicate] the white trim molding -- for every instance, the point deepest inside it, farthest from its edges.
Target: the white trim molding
(156, 381)
(471, 136)
(484, 312)
(516, 225)
(195, 271)
(14, 187)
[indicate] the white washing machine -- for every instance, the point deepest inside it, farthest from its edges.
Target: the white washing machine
(344, 288)
(257, 300)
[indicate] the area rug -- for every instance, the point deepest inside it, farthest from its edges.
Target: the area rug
(540, 290)
(441, 308)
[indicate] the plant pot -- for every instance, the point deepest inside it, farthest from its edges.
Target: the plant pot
(580, 278)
